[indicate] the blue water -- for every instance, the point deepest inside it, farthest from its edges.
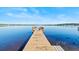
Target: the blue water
(14, 38)
(67, 37)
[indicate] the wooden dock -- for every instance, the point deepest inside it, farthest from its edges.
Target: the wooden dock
(38, 42)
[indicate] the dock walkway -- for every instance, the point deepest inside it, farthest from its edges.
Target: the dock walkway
(38, 42)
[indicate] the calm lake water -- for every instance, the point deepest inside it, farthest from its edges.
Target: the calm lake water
(67, 37)
(14, 38)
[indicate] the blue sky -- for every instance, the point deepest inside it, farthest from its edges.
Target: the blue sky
(39, 15)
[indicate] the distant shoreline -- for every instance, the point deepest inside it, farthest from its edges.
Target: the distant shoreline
(64, 24)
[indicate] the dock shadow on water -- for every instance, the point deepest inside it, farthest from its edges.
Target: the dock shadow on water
(25, 42)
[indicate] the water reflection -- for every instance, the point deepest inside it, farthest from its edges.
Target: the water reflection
(67, 37)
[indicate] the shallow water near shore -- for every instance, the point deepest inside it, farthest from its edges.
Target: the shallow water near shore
(15, 37)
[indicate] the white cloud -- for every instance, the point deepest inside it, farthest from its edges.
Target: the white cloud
(35, 11)
(36, 18)
(62, 18)
(18, 9)
(9, 14)
(16, 15)
(25, 9)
